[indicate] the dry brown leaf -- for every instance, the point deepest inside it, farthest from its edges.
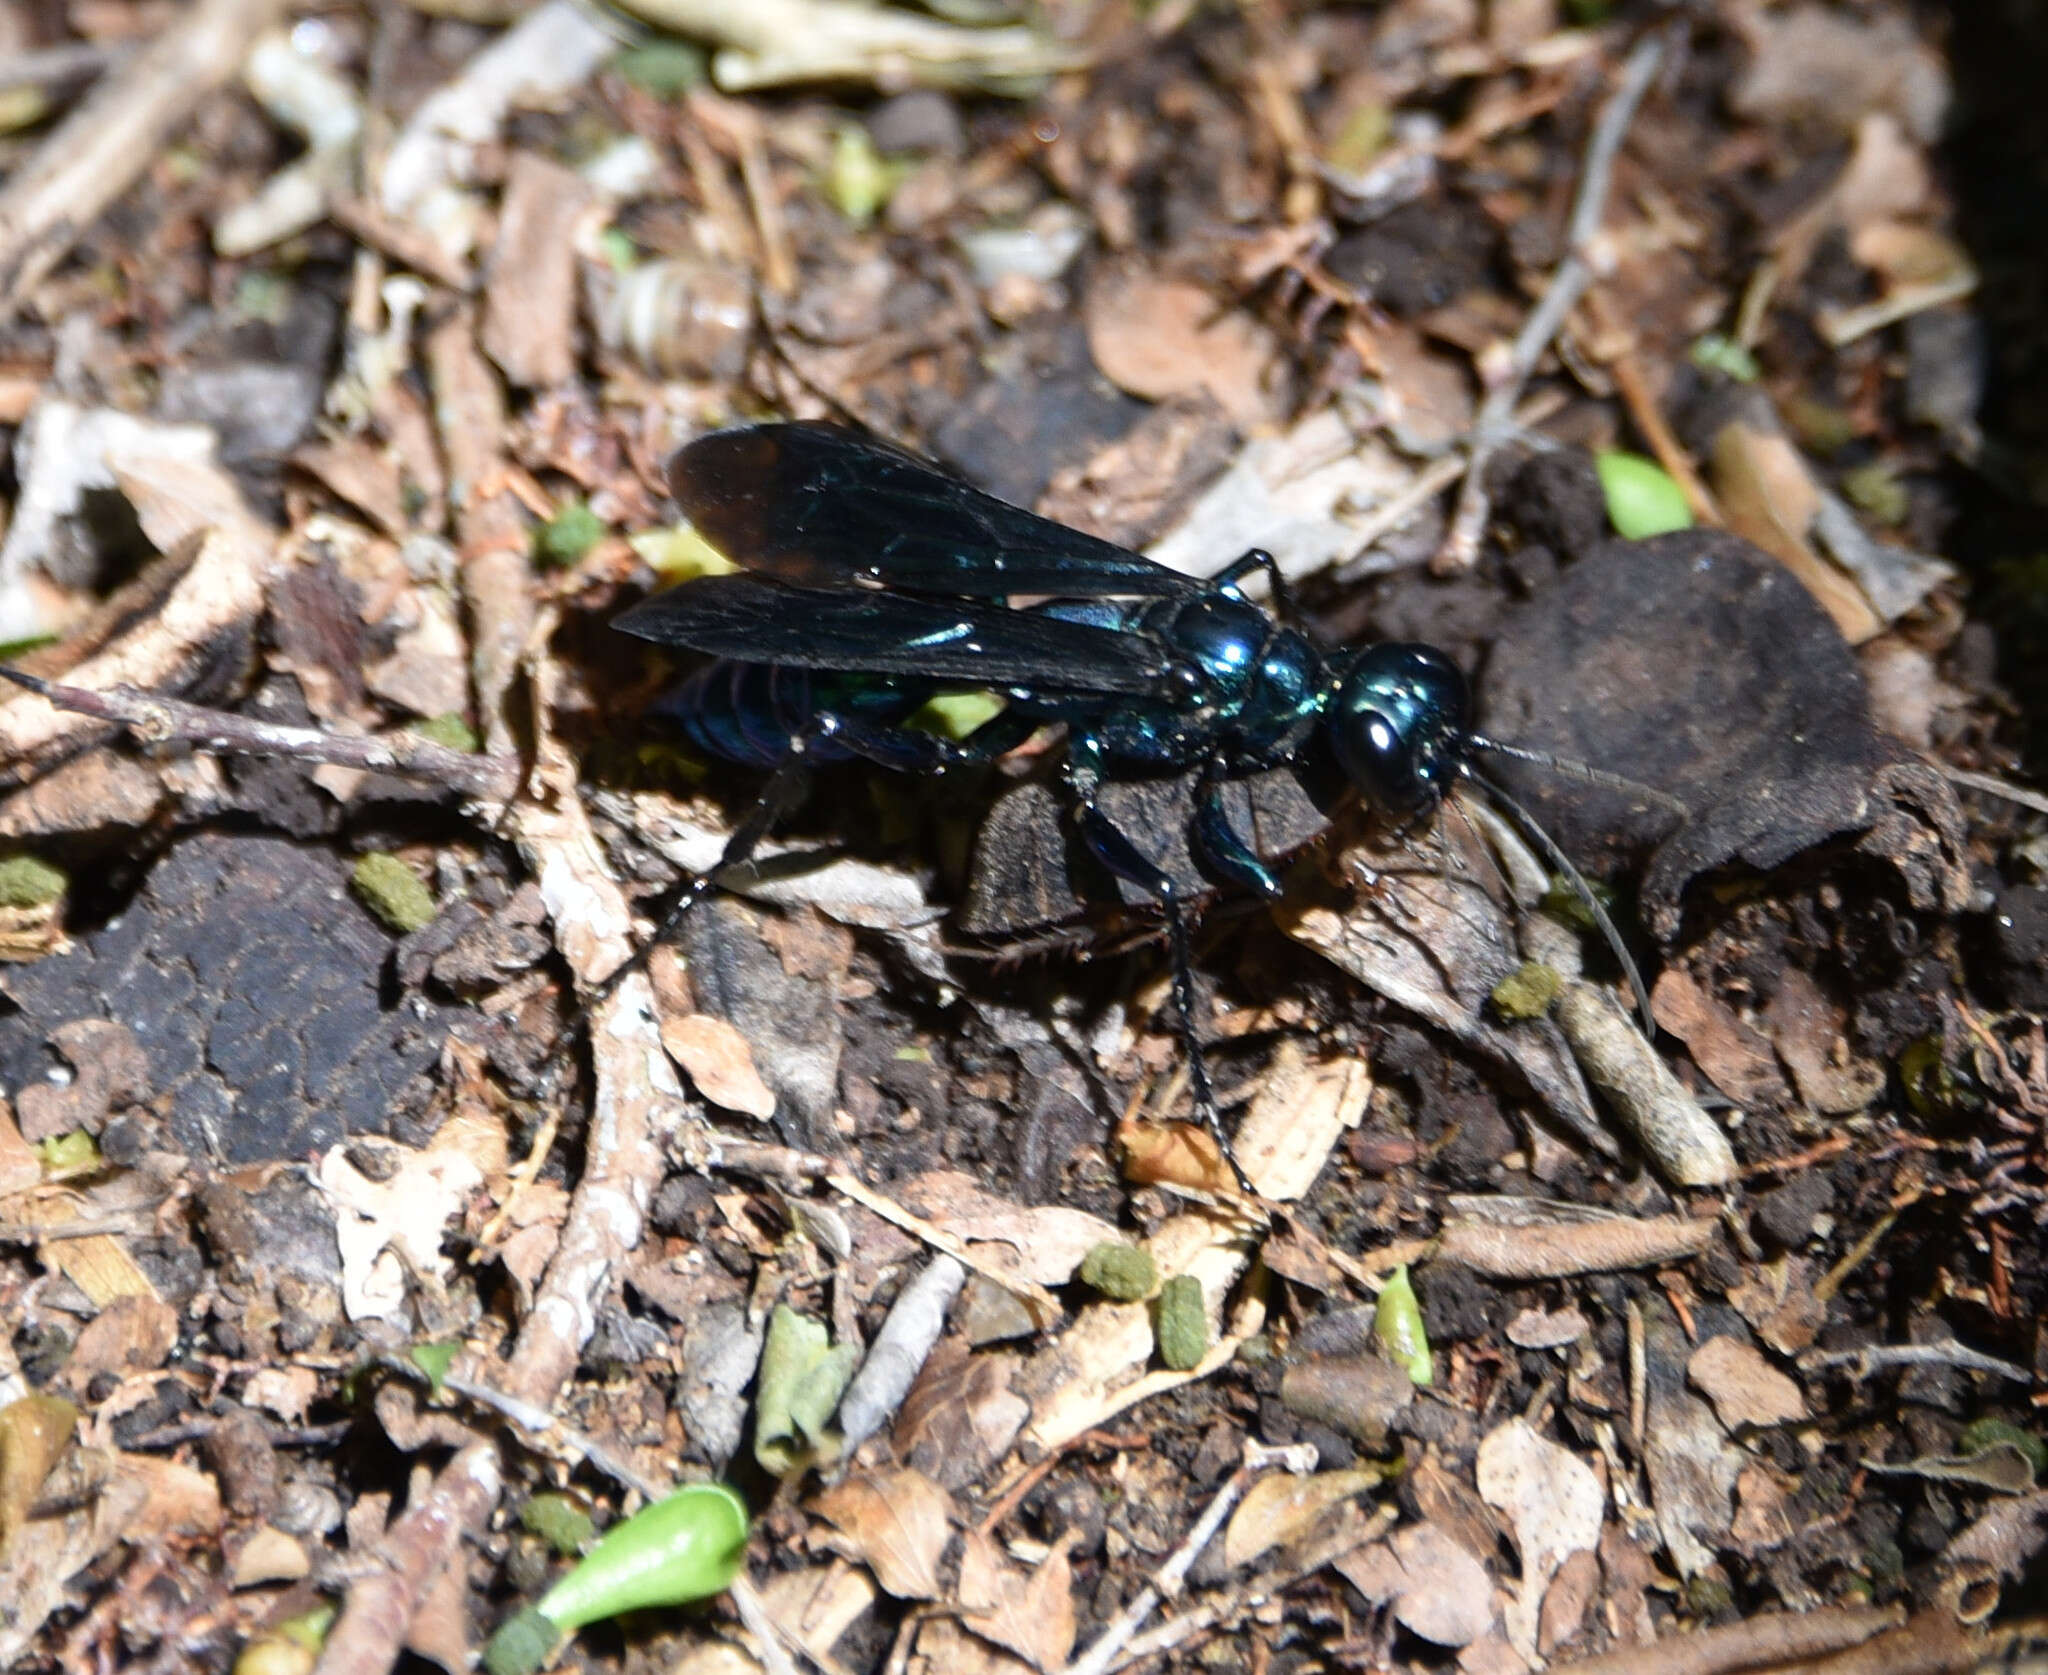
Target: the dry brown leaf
(1555, 1504)
(1571, 1591)
(1557, 1249)
(1732, 1055)
(286, 1392)
(1281, 1508)
(129, 1335)
(34, 1432)
(1744, 1388)
(1172, 1153)
(1029, 1613)
(388, 1228)
(896, 1523)
(1446, 1597)
(1806, 1027)
(1763, 1515)
(1778, 1302)
(944, 1643)
(819, 1604)
(1157, 338)
(718, 1060)
(1046, 1241)
(20, 1168)
(1768, 497)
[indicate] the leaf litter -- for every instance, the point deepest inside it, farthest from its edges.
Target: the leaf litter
(1265, 279)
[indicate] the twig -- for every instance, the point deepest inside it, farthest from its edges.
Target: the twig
(102, 148)
(1169, 1636)
(1948, 1353)
(415, 1550)
(1567, 285)
(57, 69)
(158, 720)
(1760, 1642)
(1992, 786)
(1166, 1581)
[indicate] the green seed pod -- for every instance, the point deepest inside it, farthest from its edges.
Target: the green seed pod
(1397, 1323)
(1123, 1273)
(393, 891)
(1183, 1323)
(1526, 992)
(1641, 499)
(687, 1547)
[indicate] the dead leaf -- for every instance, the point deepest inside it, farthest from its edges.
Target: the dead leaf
(1046, 1242)
(1733, 1056)
(1744, 1388)
(1806, 1027)
(721, 1064)
(1778, 1302)
(20, 1167)
(896, 1523)
(389, 1227)
(819, 1604)
(1447, 1597)
(1768, 496)
(1763, 1519)
(1281, 1508)
(34, 1432)
(1157, 338)
(1555, 1504)
(1029, 1613)
(129, 1335)
(286, 1392)
(1546, 1329)
(1571, 1591)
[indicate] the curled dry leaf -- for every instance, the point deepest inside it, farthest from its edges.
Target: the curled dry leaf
(1525, 1239)
(1281, 1508)
(896, 1523)
(1437, 1589)
(1555, 1504)
(718, 1060)
(1157, 338)
(1029, 1613)
(1732, 1055)
(1744, 1388)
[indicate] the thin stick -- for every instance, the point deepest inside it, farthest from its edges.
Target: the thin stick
(1166, 1582)
(1992, 786)
(157, 720)
(1567, 285)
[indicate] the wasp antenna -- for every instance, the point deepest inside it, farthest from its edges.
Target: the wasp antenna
(1584, 772)
(1526, 823)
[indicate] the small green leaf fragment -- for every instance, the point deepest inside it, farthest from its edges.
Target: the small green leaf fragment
(616, 247)
(1980, 1436)
(451, 731)
(393, 892)
(1183, 1324)
(687, 1547)
(560, 1521)
(1716, 353)
(309, 1628)
(680, 554)
(30, 881)
(272, 1654)
(912, 1055)
(76, 1153)
(1397, 1323)
(568, 535)
(1123, 1273)
(956, 715)
(1875, 488)
(1360, 137)
(1527, 992)
(434, 1359)
(859, 178)
(664, 67)
(801, 1380)
(1822, 427)
(522, 1644)
(1641, 500)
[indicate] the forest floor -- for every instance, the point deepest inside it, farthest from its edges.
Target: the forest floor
(1676, 371)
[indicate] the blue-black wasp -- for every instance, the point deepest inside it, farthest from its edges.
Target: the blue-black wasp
(871, 582)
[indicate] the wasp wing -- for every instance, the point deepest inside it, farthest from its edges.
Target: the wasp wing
(817, 506)
(972, 642)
